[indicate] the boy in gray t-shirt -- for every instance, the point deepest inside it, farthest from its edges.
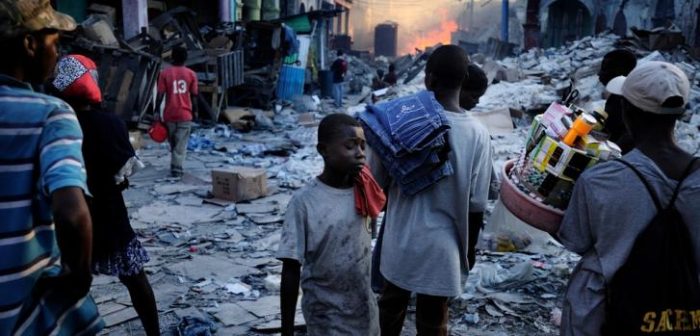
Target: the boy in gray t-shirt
(325, 243)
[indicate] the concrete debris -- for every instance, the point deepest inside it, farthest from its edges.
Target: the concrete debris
(212, 259)
(195, 326)
(275, 326)
(231, 314)
(119, 317)
(266, 306)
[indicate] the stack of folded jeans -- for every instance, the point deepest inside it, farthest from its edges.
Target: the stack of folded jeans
(409, 134)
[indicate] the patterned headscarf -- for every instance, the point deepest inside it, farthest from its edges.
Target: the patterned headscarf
(76, 77)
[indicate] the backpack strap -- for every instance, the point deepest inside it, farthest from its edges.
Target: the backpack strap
(645, 182)
(687, 172)
(655, 198)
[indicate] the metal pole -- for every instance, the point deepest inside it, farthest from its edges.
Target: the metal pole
(224, 11)
(470, 26)
(504, 21)
(135, 16)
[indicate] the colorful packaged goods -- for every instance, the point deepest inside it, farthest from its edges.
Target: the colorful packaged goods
(561, 144)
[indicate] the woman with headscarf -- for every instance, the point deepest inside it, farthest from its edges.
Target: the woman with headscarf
(109, 159)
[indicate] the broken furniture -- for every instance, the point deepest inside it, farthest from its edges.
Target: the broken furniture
(223, 71)
(127, 77)
(262, 42)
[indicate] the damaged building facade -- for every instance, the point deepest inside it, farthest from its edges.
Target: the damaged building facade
(210, 11)
(551, 23)
(245, 53)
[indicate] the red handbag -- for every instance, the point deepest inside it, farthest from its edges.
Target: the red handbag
(158, 132)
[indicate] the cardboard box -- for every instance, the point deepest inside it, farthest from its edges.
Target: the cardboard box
(307, 119)
(239, 183)
(552, 119)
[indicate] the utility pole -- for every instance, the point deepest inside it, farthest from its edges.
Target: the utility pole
(471, 15)
(504, 21)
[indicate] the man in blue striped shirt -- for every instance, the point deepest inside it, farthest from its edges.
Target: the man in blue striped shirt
(45, 228)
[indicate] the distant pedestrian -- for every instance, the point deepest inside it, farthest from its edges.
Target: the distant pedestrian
(616, 63)
(109, 156)
(45, 230)
(339, 68)
(425, 239)
(326, 240)
(473, 87)
(391, 78)
(613, 206)
(178, 84)
(377, 82)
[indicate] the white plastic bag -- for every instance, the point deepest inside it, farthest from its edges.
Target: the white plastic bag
(504, 232)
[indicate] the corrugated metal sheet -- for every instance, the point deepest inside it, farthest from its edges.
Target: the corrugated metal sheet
(290, 82)
(230, 69)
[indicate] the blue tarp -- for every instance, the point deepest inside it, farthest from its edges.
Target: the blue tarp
(291, 82)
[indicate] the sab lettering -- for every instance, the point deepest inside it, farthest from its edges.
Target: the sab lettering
(671, 320)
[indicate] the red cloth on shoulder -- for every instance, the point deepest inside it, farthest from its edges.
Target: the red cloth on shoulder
(369, 196)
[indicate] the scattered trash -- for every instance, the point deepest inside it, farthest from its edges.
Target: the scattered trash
(215, 256)
(237, 288)
(195, 326)
(471, 318)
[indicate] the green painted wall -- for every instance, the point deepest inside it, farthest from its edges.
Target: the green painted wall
(75, 8)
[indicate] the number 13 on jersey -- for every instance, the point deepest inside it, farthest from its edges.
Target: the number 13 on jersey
(179, 87)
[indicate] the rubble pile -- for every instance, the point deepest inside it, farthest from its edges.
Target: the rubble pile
(212, 260)
(544, 76)
(360, 74)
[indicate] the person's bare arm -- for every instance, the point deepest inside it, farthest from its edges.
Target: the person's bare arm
(156, 108)
(289, 291)
(74, 234)
(195, 105)
(476, 222)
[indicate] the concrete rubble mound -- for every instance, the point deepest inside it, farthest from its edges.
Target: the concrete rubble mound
(212, 259)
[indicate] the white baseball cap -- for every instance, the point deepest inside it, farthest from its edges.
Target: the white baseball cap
(650, 85)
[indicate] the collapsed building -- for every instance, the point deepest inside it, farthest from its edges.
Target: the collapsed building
(250, 53)
(551, 23)
(212, 251)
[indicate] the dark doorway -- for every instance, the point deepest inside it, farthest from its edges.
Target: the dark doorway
(697, 28)
(620, 23)
(569, 20)
(601, 23)
(665, 13)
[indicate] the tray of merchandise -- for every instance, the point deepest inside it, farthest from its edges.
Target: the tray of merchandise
(562, 143)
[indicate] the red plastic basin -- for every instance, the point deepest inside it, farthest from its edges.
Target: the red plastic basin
(526, 208)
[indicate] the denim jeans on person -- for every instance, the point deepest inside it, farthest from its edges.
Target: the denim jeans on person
(178, 137)
(409, 134)
(415, 172)
(414, 121)
(338, 94)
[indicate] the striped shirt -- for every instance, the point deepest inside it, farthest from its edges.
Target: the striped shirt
(40, 152)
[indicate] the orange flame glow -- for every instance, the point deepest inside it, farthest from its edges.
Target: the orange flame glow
(440, 34)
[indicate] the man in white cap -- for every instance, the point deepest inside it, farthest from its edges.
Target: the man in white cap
(45, 230)
(611, 206)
